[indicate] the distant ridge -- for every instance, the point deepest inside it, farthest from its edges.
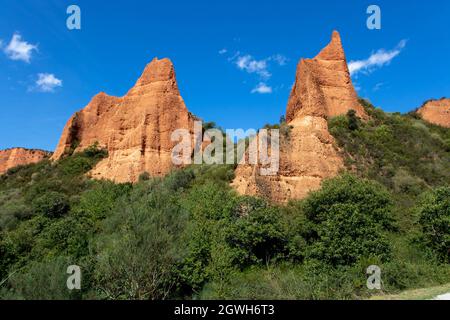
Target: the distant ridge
(13, 157)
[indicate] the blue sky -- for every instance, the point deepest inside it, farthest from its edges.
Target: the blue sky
(223, 52)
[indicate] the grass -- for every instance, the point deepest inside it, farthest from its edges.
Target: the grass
(416, 294)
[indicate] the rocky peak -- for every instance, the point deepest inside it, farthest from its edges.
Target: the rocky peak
(158, 75)
(308, 153)
(135, 129)
(157, 70)
(334, 50)
(323, 86)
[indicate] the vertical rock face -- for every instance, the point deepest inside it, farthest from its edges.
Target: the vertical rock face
(135, 129)
(308, 154)
(323, 86)
(436, 112)
(14, 157)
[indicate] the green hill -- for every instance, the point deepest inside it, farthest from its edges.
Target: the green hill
(189, 235)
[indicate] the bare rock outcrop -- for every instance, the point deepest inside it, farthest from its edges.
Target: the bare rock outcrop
(308, 153)
(14, 157)
(436, 112)
(323, 86)
(135, 129)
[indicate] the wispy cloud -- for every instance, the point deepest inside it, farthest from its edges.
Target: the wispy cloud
(280, 59)
(377, 60)
(262, 88)
(47, 82)
(258, 67)
(251, 65)
(223, 51)
(19, 49)
(378, 86)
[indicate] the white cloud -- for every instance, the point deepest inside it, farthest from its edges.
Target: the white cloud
(376, 60)
(19, 50)
(251, 65)
(260, 68)
(262, 88)
(223, 51)
(47, 82)
(280, 59)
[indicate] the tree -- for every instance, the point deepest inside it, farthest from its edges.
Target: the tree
(348, 218)
(434, 219)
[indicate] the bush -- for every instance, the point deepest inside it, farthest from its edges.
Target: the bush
(210, 207)
(144, 176)
(311, 280)
(348, 220)
(98, 201)
(434, 220)
(137, 254)
(352, 120)
(258, 237)
(52, 204)
(42, 281)
(179, 180)
(404, 182)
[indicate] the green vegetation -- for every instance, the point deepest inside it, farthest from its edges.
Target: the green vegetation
(189, 235)
(434, 221)
(402, 152)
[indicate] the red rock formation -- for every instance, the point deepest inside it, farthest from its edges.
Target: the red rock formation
(436, 112)
(135, 129)
(323, 86)
(14, 157)
(308, 154)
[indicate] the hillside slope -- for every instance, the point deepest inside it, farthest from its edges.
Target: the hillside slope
(190, 235)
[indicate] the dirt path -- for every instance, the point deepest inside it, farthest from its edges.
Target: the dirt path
(434, 293)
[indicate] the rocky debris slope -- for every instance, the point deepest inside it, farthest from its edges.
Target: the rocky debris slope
(135, 129)
(436, 112)
(308, 154)
(14, 157)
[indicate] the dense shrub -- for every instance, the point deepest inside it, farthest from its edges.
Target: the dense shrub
(387, 143)
(348, 219)
(257, 237)
(51, 204)
(434, 220)
(352, 120)
(44, 280)
(312, 280)
(137, 255)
